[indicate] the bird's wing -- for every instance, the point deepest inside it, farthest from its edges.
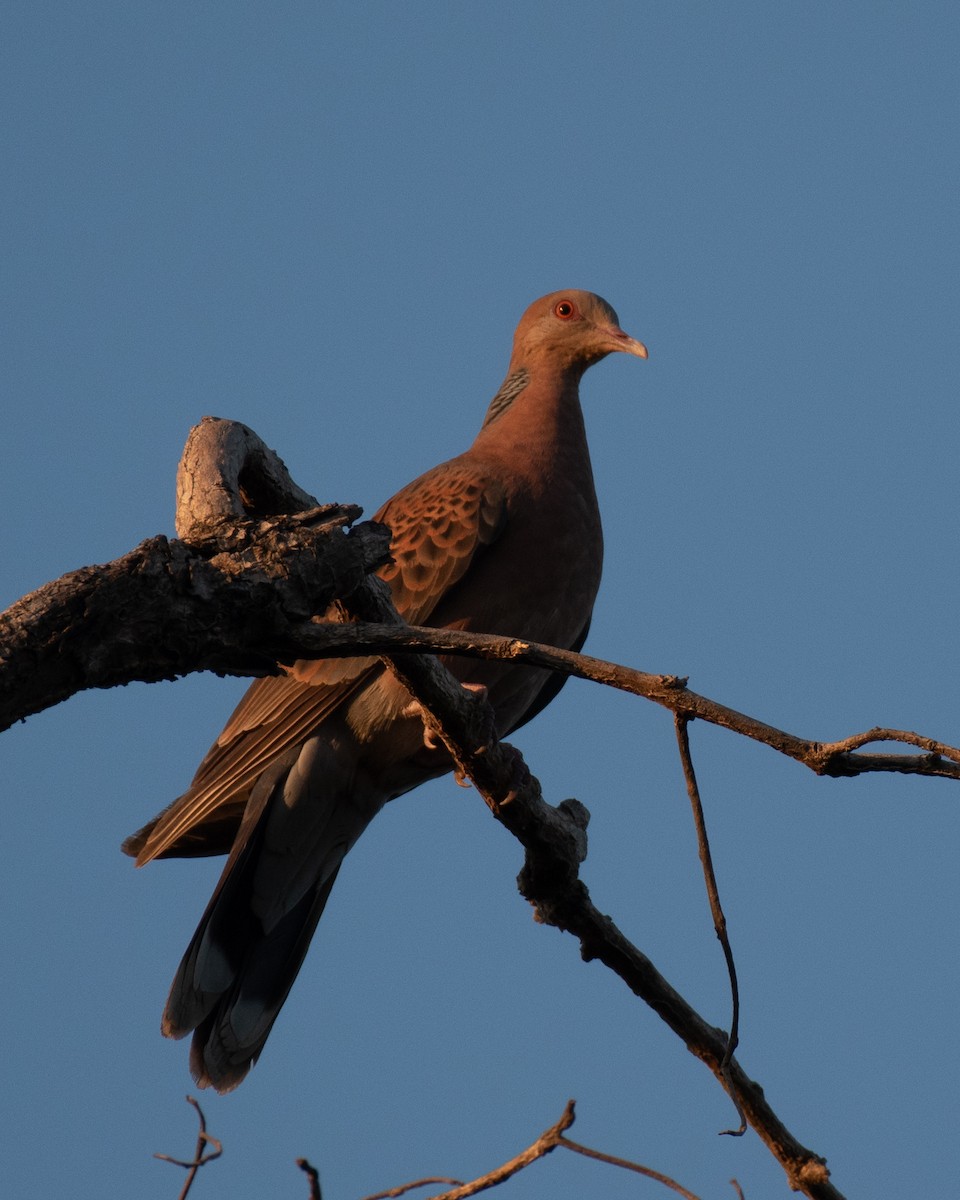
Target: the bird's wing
(440, 523)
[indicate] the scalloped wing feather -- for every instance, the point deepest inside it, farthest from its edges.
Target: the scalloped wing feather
(440, 522)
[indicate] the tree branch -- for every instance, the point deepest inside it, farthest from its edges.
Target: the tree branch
(237, 594)
(551, 1139)
(201, 1156)
(167, 609)
(716, 910)
(313, 1177)
(836, 758)
(555, 844)
(258, 557)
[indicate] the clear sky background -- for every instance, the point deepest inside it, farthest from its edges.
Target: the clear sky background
(324, 220)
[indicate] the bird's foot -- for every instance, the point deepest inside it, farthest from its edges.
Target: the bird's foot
(430, 740)
(519, 771)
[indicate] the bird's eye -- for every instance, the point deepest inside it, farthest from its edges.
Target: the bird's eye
(565, 309)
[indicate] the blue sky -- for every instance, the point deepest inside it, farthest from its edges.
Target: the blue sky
(325, 221)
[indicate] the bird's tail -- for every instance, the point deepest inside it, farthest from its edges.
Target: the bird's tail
(251, 941)
(229, 1038)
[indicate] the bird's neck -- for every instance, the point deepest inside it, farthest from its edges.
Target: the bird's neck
(536, 414)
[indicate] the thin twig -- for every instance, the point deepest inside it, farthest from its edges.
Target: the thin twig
(417, 1183)
(313, 1175)
(547, 1141)
(716, 910)
(836, 758)
(200, 1159)
(550, 1139)
(627, 1165)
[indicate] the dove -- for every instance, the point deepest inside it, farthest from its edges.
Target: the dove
(506, 538)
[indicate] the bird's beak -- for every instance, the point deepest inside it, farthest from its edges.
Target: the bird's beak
(622, 341)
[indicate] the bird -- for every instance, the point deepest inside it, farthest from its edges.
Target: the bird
(505, 538)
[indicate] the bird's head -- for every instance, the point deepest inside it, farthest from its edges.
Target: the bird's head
(572, 330)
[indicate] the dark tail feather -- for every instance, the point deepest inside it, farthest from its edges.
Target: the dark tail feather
(229, 1040)
(236, 974)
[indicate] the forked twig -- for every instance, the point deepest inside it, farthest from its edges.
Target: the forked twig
(200, 1158)
(550, 1139)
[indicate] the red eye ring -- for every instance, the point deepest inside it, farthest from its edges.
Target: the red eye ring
(565, 310)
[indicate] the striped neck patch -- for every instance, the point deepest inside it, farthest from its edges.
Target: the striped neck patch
(511, 388)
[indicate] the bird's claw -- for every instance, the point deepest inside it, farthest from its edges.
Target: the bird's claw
(430, 737)
(519, 771)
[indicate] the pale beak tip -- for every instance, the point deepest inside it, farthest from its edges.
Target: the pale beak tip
(623, 341)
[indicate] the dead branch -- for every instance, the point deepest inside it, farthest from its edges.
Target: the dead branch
(238, 597)
(257, 559)
(835, 758)
(555, 843)
(547, 1141)
(403, 1188)
(313, 1175)
(716, 911)
(551, 1139)
(200, 1156)
(166, 610)
(227, 474)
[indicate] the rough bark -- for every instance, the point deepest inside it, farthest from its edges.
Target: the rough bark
(229, 596)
